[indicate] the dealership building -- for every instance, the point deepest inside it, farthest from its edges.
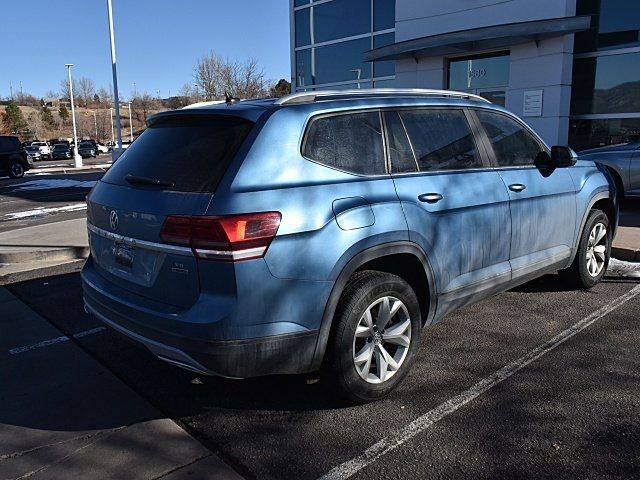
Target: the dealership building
(569, 68)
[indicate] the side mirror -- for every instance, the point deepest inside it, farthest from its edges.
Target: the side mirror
(563, 157)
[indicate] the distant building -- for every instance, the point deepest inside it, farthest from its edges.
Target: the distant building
(570, 68)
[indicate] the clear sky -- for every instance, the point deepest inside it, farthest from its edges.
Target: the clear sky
(158, 42)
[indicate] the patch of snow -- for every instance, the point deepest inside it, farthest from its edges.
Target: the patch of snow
(49, 184)
(41, 212)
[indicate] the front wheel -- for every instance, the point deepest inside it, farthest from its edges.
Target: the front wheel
(594, 251)
(374, 338)
(16, 170)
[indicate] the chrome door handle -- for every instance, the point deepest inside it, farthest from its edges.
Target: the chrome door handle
(430, 197)
(517, 187)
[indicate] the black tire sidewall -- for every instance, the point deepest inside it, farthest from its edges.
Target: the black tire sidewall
(595, 217)
(11, 172)
(356, 300)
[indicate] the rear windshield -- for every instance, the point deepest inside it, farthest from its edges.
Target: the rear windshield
(190, 152)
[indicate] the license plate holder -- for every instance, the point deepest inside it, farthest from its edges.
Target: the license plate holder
(124, 254)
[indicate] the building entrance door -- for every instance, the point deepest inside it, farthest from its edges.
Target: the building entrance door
(485, 75)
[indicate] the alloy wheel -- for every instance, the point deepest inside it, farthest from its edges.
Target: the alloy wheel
(17, 169)
(382, 340)
(596, 249)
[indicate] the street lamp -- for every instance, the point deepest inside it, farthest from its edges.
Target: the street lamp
(95, 123)
(130, 123)
(77, 159)
(113, 139)
(116, 102)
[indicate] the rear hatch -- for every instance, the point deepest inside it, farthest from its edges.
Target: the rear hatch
(173, 168)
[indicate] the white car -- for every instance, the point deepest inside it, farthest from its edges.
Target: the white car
(102, 148)
(45, 150)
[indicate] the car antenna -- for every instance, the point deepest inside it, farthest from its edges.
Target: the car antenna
(229, 100)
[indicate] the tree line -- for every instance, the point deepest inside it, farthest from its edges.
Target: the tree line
(214, 77)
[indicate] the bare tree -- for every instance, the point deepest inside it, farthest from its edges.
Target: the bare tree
(105, 96)
(216, 76)
(36, 125)
(64, 89)
(86, 90)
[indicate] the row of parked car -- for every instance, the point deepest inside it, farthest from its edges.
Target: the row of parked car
(61, 149)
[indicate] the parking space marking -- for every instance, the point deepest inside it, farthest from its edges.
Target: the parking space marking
(425, 421)
(53, 341)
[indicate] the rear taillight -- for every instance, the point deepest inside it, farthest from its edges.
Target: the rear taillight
(228, 238)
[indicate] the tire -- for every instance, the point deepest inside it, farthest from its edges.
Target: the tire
(583, 273)
(16, 170)
(365, 379)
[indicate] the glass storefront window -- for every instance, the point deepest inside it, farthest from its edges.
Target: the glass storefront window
(299, 3)
(303, 27)
(615, 23)
(606, 84)
(342, 61)
(341, 18)
(384, 14)
(585, 134)
(384, 68)
(384, 83)
(479, 72)
(304, 70)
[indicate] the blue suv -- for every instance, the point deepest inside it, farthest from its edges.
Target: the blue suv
(324, 230)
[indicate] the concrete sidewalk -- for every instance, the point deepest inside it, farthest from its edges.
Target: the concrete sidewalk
(626, 245)
(63, 415)
(43, 245)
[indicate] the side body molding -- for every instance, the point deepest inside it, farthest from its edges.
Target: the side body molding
(383, 250)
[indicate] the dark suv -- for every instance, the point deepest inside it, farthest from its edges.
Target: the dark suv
(14, 161)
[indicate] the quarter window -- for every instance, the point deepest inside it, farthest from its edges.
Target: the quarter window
(512, 144)
(352, 143)
(440, 140)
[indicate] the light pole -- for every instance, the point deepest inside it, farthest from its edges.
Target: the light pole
(113, 140)
(95, 123)
(116, 102)
(77, 159)
(130, 123)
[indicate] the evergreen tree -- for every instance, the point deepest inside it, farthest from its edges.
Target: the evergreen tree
(64, 113)
(14, 119)
(47, 117)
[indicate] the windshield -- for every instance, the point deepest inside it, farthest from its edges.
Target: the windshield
(191, 152)
(60, 147)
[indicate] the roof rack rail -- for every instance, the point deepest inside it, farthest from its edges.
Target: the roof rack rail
(315, 96)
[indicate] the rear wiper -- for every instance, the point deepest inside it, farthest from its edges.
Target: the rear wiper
(137, 180)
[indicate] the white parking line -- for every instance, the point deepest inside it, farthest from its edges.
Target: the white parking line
(41, 212)
(425, 421)
(53, 341)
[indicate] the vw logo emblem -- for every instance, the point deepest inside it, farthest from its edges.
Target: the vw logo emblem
(113, 220)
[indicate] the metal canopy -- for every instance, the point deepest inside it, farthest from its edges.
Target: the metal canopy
(478, 39)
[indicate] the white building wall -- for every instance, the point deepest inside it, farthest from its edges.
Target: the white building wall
(544, 66)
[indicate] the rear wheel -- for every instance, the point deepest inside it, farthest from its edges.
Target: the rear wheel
(594, 251)
(375, 336)
(16, 170)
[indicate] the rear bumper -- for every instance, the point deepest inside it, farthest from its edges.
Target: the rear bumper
(173, 337)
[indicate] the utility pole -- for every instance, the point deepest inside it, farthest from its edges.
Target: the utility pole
(116, 101)
(77, 159)
(10, 90)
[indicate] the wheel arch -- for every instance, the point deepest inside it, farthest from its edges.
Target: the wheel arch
(602, 201)
(389, 257)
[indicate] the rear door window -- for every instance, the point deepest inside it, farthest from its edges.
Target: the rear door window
(351, 142)
(512, 145)
(192, 152)
(439, 140)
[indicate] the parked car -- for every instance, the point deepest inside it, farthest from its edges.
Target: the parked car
(61, 151)
(623, 163)
(86, 149)
(34, 152)
(326, 230)
(14, 161)
(45, 150)
(101, 148)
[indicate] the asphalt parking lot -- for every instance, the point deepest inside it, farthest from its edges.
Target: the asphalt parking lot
(568, 410)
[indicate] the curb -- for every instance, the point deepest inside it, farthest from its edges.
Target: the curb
(88, 168)
(625, 254)
(11, 254)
